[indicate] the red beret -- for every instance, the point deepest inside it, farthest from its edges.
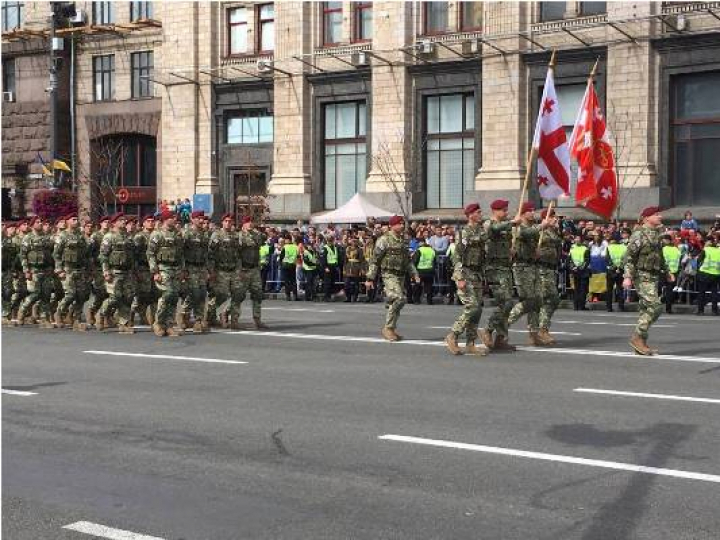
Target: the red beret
(197, 214)
(105, 218)
(149, 217)
(229, 216)
(544, 213)
(650, 211)
(247, 219)
(70, 216)
(471, 208)
(167, 214)
(394, 220)
(119, 215)
(527, 207)
(130, 218)
(499, 204)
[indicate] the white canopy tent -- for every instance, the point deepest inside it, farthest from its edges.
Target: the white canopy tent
(356, 210)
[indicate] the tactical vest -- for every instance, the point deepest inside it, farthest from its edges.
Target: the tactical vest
(331, 254)
(39, 255)
(650, 257)
(525, 248)
(170, 248)
(711, 263)
(577, 254)
(427, 258)
(122, 249)
(309, 260)
(397, 255)
(227, 254)
(671, 254)
(9, 254)
(617, 252)
(250, 251)
(291, 253)
(75, 251)
(549, 250)
(498, 246)
(473, 252)
(196, 248)
(141, 241)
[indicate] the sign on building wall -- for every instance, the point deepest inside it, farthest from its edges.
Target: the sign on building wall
(204, 202)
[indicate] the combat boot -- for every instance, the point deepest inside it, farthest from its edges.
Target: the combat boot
(534, 340)
(100, 322)
(224, 320)
(125, 329)
(637, 342)
(486, 337)
(501, 344)
(471, 348)
(234, 323)
(545, 337)
(150, 315)
(173, 332)
(5, 321)
(389, 334)
(451, 342)
(59, 323)
(79, 326)
(259, 325)
(158, 330)
(198, 328)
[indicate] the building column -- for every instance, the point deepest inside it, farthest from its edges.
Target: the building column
(208, 15)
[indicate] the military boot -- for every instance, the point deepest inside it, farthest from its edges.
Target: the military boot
(174, 332)
(5, 321)
(79, 326)
(389, 334)
(486, 337)
(638, 343)
(259, 325)
(150, 315)
(158, 330)
(224, 323)
(198, 327)
(59, 322)
(545, 337)
(534, 340)
(501, 344)
(125, 329)
(452, 345)
(100, 324)
(234, 323)
(471, 348)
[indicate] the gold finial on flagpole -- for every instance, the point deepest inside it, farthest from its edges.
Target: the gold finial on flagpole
(594, 69)
(552, 63)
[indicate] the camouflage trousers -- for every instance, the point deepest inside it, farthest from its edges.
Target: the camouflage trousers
(395, 298)
(472, 298)
(527, 282)
(98, 290)
(120, 291)
(40, 288)
(549, 296)
(250, 281)
(19, 292)
(146, 294)
(77, 291)
(650, 305)
(225, 286)
(58, 292)
(195, 292)
(169, 287)
(500, 280)
(7, 293)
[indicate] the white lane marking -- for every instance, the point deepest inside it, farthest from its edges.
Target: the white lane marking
(515, 331)
(643, 395)
(364, 339)
(102, 531)
(299, 309)
(18, 393)
(166, 356)
(598, 323)
(555, 457)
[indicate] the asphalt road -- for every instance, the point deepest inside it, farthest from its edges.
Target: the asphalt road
(327, 432)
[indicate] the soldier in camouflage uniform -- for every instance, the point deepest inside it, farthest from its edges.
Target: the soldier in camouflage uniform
(145, 299)
(10, 259)
(71, 266)
(224, 263)
(37, 265)
(392, 257)
(548, 257)
(525, 269)
(19, 283)
(468, 267)
(645, 267)
(166, 257)
(117, 257)
(98, 289)
(196, 240)
(498, 272)
(250, 242)
(58, 290)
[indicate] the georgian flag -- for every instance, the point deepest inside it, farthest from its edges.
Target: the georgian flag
(553, 164)
(597, 188)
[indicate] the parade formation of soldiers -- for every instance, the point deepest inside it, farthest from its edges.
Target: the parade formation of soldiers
(174, 278)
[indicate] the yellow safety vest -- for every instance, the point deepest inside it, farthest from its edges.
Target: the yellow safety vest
(711, 263)
(264, 252)
(427, 258)
(332, 257)
(617, 252)
(309, 260)
(577, 254)
(291, 253)
(671, 254)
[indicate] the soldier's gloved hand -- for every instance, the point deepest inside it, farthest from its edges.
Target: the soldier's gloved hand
(627, 283)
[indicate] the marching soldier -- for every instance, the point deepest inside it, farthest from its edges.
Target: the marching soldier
(468, 267)
(615, 256)
(251, 240)
(548, 257)
(37, 265)
(117, 258)
(645, 267)
(223, 263)
(145, 299)
(165, 254)
(71, 266)
(19, 283)
(498, 271)
(392, 258)
(525, 269)
(196, 242)
(98, 287)
(10, 259)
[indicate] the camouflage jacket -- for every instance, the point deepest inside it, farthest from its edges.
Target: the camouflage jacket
(71, 251)
(36, 252)
(196, 247)
(117, 252)
(250, 242)
(469, 255)
(548, 252)
(392, 255)
(526, 243)
(644, 253)
(166, 249)
(499, 242)
(224, 251)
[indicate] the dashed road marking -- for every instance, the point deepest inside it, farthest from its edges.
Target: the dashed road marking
(688, 475)
(166, 357)
(18, 393)
(111, 533)
(644, 395)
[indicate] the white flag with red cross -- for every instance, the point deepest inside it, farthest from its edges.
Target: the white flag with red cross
(553, 164)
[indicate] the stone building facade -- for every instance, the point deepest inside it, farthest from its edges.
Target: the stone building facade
(428, 104)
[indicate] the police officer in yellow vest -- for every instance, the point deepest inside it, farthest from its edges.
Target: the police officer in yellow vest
(288, 262)
(330, 263)
(708, 275)
(424, 260)
(310, 266)
(579, 265)
(671, 254)
(615, 270)
(264, 264)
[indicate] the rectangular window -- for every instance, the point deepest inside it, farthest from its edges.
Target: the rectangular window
(436, 17)
(592, 8)
(103, 13)
(141, 10)
(12, 15)
(332, 22)
(552, 11)
(8, 75)
(266, 18)
(471, 15)
(142, 70)
(104, 77)
(250, 127)
(237, 31)
(363, 21)
(450, 150)
(345, 151)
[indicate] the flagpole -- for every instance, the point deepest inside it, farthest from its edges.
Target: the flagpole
(542, 231)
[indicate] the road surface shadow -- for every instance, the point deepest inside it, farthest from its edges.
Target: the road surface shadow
(31, 387)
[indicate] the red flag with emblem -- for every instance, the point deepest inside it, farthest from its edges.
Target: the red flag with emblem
(553, 164)
(597, 188)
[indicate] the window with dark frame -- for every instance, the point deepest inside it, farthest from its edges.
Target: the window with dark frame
(142, 70)
(344, 150)
(363, 21)
(552, 11)
(471, 14)
(592, 8)
(449, 149)
(104, 77)
(436, 19)
(8, 75)
(12, 15)
(266, 18)
(332, 23)
(237, 31)
(103, 13)
(141, 10)
(250, 126)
